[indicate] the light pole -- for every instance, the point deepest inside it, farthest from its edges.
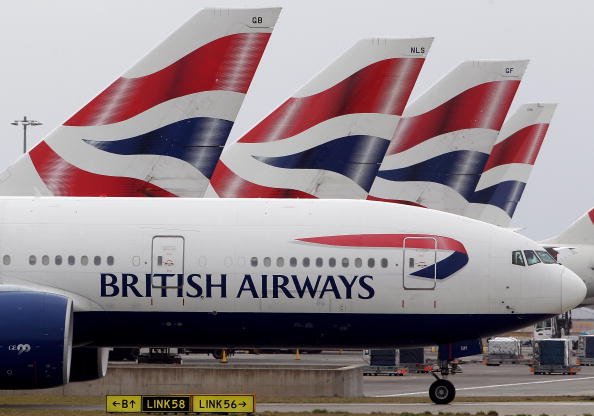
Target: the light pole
(25, 122)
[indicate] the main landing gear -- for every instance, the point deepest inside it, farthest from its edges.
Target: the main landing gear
(442, 391)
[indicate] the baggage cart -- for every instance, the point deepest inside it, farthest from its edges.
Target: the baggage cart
(585, 350)
(552, 356)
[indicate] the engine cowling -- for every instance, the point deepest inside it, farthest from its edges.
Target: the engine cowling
(35, 340)
(88, 363)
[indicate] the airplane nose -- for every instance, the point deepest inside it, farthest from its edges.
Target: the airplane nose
(573, 290)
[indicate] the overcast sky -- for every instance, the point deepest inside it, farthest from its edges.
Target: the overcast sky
(57, 55)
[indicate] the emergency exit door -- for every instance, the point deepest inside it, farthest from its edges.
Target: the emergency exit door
(420, 263)
(168, 258)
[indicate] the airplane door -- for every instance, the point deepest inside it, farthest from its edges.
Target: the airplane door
(167, 258)
(419, 253)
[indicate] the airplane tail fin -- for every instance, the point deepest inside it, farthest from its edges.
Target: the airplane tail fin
(442, 142)
(580, 232)
(509, 165)
(158, 130)
(328, 139)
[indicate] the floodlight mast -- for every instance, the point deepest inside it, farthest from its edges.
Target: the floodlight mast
(25, 123)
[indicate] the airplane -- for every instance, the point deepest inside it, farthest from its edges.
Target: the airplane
(170, 112)
(575, 247)
(443, 140)
(328, 139)
(81, 274)
(510, 163)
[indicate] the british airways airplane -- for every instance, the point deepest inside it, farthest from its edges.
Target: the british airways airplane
(157, 130)
(80, 274)
(578, 239)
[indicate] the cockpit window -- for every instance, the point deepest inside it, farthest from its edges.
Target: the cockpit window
(545, 257)
(517, 258)
(531, 257)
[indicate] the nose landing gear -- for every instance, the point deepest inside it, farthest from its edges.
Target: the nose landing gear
(442, 391)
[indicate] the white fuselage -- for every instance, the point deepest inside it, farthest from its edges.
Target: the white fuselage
(249, 271)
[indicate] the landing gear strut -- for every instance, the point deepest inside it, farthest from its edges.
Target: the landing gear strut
(442, 391)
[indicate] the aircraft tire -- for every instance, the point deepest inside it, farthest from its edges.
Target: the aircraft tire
(442, 391)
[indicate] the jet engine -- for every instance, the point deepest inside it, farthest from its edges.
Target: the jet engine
(36, 344)
(88, 363)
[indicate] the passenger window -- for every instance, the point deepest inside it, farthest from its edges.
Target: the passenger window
(45, 260)
(545, 257)
(6, 260)
(332, 262)
(319, 262)
(267, 262)
(371, 262)
(110, 260)
(384, 263)
(358, 262)
(293, 262)
(32, 260)
(280, 261)
(531, 257)
(345, 262)
(84, 260)
(71, 260)
(97, 261)
(58, 260)
(305, 261)
(254, 261)
(517, 258)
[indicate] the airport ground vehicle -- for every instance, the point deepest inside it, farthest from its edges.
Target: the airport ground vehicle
(160, 356)
(504, 350)
(553, 356)
(413, 360)
(382, 362)
(585, 350)
(543, 329)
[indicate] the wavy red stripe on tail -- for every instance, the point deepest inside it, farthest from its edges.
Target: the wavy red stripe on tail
(228, 63)
(65, 179)
(229, 185)
(521, 147)
(369, 90)
(483, 106)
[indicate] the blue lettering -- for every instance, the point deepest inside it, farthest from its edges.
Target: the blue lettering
(194, 286)
(368, 288)
(180, 285)
(163, 285)
(264, 286)
(348, 285)
(276, 285)
(330, 282)
(222, 285)
(130, 285)
(113, 285)
(247, 281)
(149, 285)
(306, 286)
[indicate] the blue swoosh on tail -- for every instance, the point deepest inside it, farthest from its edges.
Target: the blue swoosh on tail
(198, 141)
(460, 170)
(504, 195)
(357, 157)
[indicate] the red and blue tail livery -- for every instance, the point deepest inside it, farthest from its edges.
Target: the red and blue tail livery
(442, 143)
(159, 129)
(508, 168)
(328, 140)
(449, 255)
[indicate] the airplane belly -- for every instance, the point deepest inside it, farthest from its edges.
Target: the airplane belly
(276, 330)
